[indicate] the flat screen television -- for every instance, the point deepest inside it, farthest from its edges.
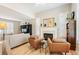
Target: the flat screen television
(26, 29)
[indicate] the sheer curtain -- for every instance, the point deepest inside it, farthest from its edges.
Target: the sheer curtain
(9, 29)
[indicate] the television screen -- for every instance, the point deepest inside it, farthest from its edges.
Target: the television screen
(24, 30)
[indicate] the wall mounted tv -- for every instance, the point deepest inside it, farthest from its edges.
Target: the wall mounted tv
(26, 29)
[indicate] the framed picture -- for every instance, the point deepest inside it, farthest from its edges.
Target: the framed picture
(49, 22)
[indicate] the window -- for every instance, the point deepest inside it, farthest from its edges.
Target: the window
(10, 27)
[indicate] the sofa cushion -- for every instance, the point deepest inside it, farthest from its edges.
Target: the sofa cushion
(34, 37)
(59, 40)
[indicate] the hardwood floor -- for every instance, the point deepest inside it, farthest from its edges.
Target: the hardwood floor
(27, 50)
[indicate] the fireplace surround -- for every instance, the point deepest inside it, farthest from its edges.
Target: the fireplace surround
(48, 35)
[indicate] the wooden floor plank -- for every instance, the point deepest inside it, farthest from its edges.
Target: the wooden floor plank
(26, 50)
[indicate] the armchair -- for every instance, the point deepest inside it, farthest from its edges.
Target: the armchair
(35, 42)
(58, 46)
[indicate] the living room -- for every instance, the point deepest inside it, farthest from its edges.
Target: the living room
(24, 22)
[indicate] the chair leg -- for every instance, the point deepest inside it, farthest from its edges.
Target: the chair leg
(65, 53)
(36, 48)
(50, 52)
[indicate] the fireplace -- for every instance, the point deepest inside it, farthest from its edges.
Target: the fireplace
(48, 35)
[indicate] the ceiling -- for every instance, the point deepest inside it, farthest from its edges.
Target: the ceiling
(30, 9)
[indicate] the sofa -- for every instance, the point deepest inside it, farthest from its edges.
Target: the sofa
(17, 39)
(58, 46)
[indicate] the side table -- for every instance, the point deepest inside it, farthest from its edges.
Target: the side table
(44, 45)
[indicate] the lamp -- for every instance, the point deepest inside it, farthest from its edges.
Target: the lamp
(3, 27)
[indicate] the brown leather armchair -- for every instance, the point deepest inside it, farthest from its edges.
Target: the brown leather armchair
(58, 47)
(35, 42)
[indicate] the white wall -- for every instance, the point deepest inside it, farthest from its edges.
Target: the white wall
(62, 25)
(10, 14)
(77, 20)
(20, 8)
(56, 13)
(37, 26)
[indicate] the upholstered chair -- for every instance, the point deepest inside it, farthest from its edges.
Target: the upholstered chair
(58, 46)
(35, 42)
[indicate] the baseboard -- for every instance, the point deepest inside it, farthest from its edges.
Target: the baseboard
(19, 45)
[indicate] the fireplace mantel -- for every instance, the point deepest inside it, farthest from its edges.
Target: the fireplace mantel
(49, 30)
